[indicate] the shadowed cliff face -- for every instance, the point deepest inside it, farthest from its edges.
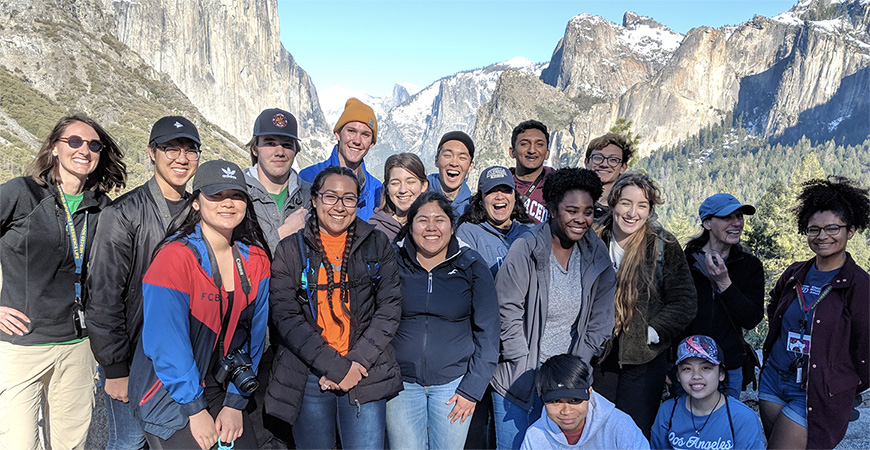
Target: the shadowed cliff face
(226, 56)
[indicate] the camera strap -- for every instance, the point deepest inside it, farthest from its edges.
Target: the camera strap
(243, 281)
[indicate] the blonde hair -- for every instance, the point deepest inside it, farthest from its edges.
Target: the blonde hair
(634, 270)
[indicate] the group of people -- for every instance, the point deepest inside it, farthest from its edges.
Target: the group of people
(326, 309)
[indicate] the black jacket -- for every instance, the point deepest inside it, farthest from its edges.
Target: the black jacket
(450, 320)
(128, 233)
(36, 254)
(724, 315)
(375, 308)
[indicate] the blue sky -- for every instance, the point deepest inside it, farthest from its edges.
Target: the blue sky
(370, 45)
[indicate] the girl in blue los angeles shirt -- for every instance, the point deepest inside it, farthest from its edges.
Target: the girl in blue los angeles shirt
(704, 417)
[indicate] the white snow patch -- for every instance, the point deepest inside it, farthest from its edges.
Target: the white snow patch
(832, 125)
(788, 18)
(652, 43)
(830, 25)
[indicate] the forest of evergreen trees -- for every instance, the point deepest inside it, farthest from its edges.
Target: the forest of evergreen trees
(727, 158)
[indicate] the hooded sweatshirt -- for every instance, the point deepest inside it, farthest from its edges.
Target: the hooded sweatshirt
(606, 427)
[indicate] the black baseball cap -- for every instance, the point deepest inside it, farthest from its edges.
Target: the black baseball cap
(276, 122)
(219, 175)
(173, 127)
(457, 136)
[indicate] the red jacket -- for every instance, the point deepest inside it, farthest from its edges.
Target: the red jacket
(838, 366)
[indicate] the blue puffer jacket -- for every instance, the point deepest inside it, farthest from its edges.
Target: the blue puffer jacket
(450, 323)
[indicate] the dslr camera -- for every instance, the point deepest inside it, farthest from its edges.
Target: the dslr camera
(236, 367)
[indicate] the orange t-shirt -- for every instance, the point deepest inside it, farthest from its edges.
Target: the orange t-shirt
(337, 336)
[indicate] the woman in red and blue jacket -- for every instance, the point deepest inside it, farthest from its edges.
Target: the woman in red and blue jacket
(205, 311)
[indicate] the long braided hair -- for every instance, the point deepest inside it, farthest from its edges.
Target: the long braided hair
(313, 226)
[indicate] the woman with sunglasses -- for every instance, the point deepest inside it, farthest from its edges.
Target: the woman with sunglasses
(817, 346)
(204, 308)
(404, 180)
(335, 306)
(47, 223)
(655, 299)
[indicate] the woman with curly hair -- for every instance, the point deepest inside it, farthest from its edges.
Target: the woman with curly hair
(817, 346)
(47, 223)
(555, 293)
(495, 217)
(655, 299)
(335, 305)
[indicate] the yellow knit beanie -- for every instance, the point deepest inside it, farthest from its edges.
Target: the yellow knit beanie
(357, 111)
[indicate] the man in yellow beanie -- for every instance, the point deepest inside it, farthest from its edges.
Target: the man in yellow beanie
(356, 132)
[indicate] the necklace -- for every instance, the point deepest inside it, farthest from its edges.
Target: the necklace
(698, 430)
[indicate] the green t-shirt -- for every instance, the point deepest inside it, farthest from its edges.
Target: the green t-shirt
(73, 201)
(281, 198)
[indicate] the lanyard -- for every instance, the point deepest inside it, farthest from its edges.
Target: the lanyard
(534, 185)
(216, 276)
(800, 294)
(78, 246)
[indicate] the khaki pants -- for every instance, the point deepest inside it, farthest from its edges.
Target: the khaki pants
(63, 376)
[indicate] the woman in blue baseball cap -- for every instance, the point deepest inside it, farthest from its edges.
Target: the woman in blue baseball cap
(729, 283)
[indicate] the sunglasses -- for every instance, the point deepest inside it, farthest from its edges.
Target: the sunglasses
(77, 141)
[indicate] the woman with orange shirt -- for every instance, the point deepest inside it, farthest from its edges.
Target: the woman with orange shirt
(335, 303)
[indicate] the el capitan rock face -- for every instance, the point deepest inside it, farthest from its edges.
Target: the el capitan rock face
(226, 56)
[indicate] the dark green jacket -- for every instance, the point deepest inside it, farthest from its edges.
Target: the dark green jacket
(669, 307)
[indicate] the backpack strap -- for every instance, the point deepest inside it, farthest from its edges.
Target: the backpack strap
(671, 419)
(305, 284)
(660, 263)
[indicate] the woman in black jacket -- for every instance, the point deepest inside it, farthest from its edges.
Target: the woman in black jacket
(729, 283)
(335, 306)
(447, 341)
(47, 223)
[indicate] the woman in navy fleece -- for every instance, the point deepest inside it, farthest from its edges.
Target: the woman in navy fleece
(447, 341)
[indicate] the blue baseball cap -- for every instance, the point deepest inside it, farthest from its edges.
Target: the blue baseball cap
(493, 177)
(722, 205)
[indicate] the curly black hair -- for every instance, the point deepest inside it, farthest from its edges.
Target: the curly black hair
(476, 213)
(842, 196)
(560, 182)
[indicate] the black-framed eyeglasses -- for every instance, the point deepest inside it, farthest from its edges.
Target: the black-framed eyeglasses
(329, 199)
(77, 141)
(830, 230)
(172, 153)
(611, 161)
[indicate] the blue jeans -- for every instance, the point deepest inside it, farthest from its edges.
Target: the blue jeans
(782, 389)
(125, 433)
(417, 418)
(511, 420)
(359, 426)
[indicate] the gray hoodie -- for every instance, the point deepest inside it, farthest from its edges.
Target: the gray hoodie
(606, 427)
(268, 216)
(522, 288)
(491, 243)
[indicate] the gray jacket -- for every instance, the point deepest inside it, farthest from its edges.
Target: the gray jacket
(491, 243)
(522, 288)
(268, 216)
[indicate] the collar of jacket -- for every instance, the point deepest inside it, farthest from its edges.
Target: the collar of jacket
(844, 278)
(89, 197)
(543, 233)
(455, 248)
(463, 195)
(363, 229)
(254, 182)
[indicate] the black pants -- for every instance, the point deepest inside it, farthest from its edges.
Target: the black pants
(481, 432)
(634, 389)
(183, 438)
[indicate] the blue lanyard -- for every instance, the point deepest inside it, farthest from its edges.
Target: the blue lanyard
(78, 246)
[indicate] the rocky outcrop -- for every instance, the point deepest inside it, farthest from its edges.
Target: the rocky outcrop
(450, 103)
(601, 59)
(226, 56)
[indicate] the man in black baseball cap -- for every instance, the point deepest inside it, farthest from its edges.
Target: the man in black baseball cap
(281, 199)
(454, 158)
(132, 227)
